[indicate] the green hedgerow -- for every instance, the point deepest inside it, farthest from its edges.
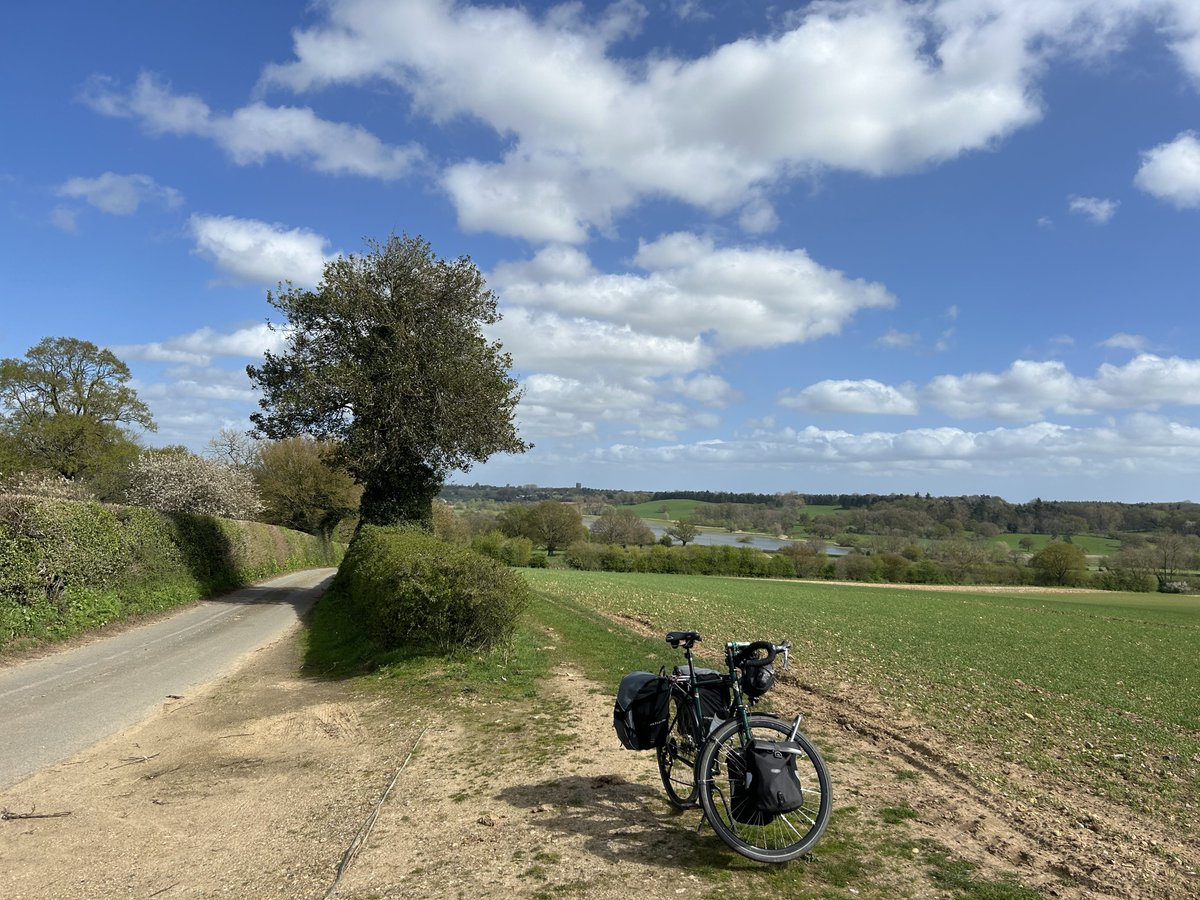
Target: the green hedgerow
(415, 590)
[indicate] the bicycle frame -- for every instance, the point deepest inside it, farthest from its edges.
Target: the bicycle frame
(737, 705)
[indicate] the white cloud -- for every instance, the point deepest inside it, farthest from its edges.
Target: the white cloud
(1122, 341)
(198, 348)
(1026, 391)
(555, 406)
(872, 86)
(867, 397)
(546, 342)
(121, 195)
(897, 340)
(65, 219)
(258, 252)
(1097, 209)
(741, 296)
(254, 133)
(1171, 171)
(1140, 443)
(711, 390)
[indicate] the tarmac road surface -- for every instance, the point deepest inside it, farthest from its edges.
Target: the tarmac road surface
(52, 707)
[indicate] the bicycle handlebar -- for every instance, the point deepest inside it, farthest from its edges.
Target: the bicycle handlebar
(747, 656)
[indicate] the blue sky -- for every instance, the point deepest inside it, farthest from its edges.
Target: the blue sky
(946, 247)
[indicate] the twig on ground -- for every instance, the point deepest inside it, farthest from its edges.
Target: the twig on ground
(364, 831)
(6, 815)
(134, 760)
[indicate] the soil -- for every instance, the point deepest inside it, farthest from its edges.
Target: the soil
(271, 785)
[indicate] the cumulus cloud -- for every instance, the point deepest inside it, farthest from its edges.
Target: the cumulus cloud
(865, 397)
(1022, 392)
(1095, 208)
(742, 296)
(200, 347)
(254, 133)
(257, 252)
(542, 341)
(710, 390)
(1171, 171)
(1142, 441)
(874, 86)
(556, 406)
(121, 195)
(1026, 391)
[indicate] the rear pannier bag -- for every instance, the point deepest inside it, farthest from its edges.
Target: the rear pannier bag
(771, 766)
(714, 698)
(642, 711)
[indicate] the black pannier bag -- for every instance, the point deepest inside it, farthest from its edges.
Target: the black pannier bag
(714, 698)
(773, 779)
(642, 712)
(743, 799)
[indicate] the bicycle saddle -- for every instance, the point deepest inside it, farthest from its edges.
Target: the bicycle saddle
(687, 638)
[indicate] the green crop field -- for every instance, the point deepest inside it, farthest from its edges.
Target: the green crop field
(1100, 689)
(669, 510)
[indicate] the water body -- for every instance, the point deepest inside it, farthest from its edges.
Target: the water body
(725, 539)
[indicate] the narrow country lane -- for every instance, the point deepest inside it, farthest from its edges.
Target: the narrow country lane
(55, 706)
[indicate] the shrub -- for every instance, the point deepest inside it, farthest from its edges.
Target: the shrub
(181, 482)
(584, 555)
(66, 566)
(419, 592)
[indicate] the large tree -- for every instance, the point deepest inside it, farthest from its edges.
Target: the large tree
(388, 359)
(621, 526)
(553, 524)
(66, 405)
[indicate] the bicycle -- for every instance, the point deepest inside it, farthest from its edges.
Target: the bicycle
(704, 757)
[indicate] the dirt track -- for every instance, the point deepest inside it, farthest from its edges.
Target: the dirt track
(258, 787)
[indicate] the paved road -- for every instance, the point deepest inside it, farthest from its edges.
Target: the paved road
(53, 707)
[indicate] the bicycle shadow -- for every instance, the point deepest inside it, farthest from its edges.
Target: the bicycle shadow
(620, 820)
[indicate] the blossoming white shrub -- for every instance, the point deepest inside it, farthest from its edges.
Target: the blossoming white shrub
(181, 482)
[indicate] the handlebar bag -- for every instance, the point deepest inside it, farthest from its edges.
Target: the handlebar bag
(642, 711)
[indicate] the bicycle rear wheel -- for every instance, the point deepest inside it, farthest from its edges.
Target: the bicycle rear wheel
(677, 760)
(765, 838)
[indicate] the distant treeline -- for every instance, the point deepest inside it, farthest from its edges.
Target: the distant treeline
(888, 513)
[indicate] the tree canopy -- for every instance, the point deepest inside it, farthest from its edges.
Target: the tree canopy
(387, 358)
(621, 526)
(65, 405)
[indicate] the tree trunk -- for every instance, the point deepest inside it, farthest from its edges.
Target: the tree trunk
(401, 496)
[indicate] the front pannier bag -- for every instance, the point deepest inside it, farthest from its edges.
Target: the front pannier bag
(642, 711)
(771, 766)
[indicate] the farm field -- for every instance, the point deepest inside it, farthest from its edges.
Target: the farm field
(668, 510)
(1097, 691)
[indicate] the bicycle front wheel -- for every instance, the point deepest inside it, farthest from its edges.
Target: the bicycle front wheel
(762, 837)
(677, 760)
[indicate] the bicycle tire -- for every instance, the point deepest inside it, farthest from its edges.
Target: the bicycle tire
(782, 837)
(677, 760)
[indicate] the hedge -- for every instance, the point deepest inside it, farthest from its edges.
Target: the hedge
(66, 566)
(415, 591)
